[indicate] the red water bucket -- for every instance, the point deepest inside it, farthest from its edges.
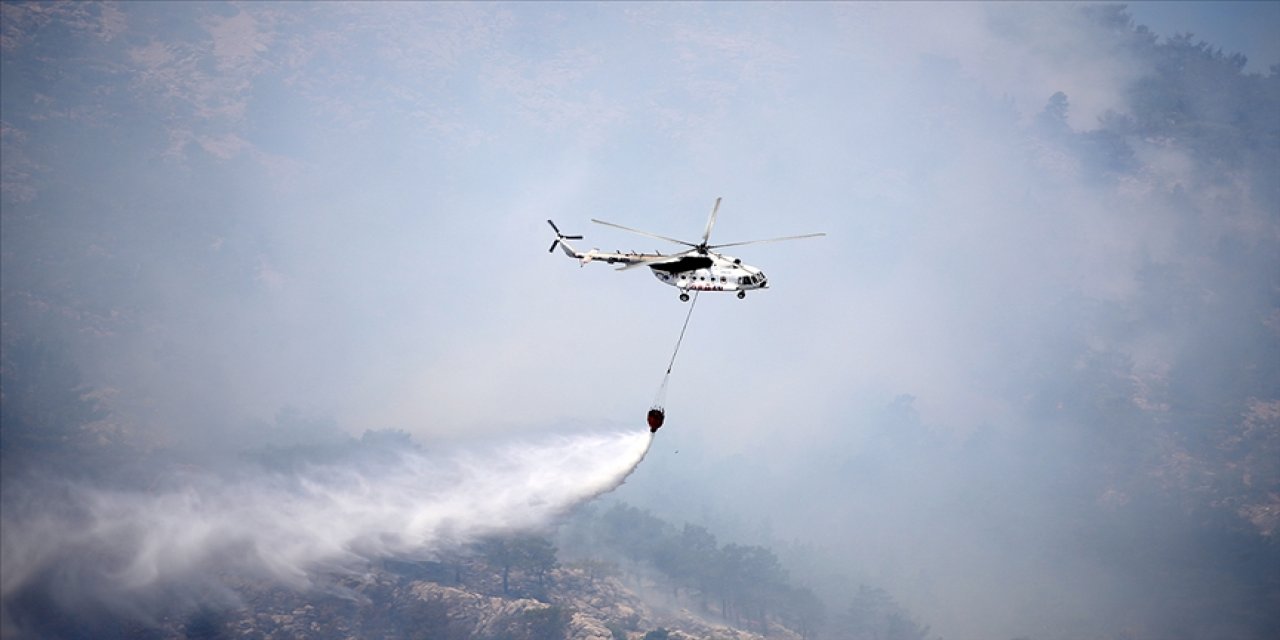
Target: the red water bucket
(655, 418)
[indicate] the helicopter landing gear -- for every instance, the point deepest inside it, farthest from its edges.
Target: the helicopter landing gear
(742, 294)
(684, 297)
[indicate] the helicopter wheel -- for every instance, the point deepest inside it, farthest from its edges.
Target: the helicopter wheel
(684, 297)
(742, 294)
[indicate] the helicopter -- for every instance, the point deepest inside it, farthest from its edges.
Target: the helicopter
(695, 269)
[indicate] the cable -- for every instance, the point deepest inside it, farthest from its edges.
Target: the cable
(682, 330)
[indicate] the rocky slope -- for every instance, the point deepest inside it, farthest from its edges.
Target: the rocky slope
(430, 601)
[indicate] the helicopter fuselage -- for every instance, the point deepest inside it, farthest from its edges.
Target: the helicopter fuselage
(722, 274)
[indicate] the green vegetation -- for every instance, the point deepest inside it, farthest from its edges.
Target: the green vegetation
(45, 403)
(531, 555)
(745, 585)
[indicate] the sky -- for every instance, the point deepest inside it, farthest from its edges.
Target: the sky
(253, 224)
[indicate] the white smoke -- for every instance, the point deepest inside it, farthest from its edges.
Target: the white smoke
(117, 549)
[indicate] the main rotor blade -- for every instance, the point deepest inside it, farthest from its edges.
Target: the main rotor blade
(643, 233)
(738, 244)
(711, 222)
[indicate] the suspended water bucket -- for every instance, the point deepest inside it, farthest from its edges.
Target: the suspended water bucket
(655, 418)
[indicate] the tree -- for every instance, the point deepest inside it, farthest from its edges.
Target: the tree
(497, 553)
(764, 582)
(535, 555)
(1053, 119)
(636, 533)
(426, 620)
(531, 554)
(546, 622)
(695, 565)
(873, 615)
(803, 611)
(44, 403)
(207, 624)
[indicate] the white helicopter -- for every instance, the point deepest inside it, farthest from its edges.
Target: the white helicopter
(697, 269)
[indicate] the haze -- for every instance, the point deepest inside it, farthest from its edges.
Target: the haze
(1029, 383)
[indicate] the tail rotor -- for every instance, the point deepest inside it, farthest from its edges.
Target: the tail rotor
(559, 236)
